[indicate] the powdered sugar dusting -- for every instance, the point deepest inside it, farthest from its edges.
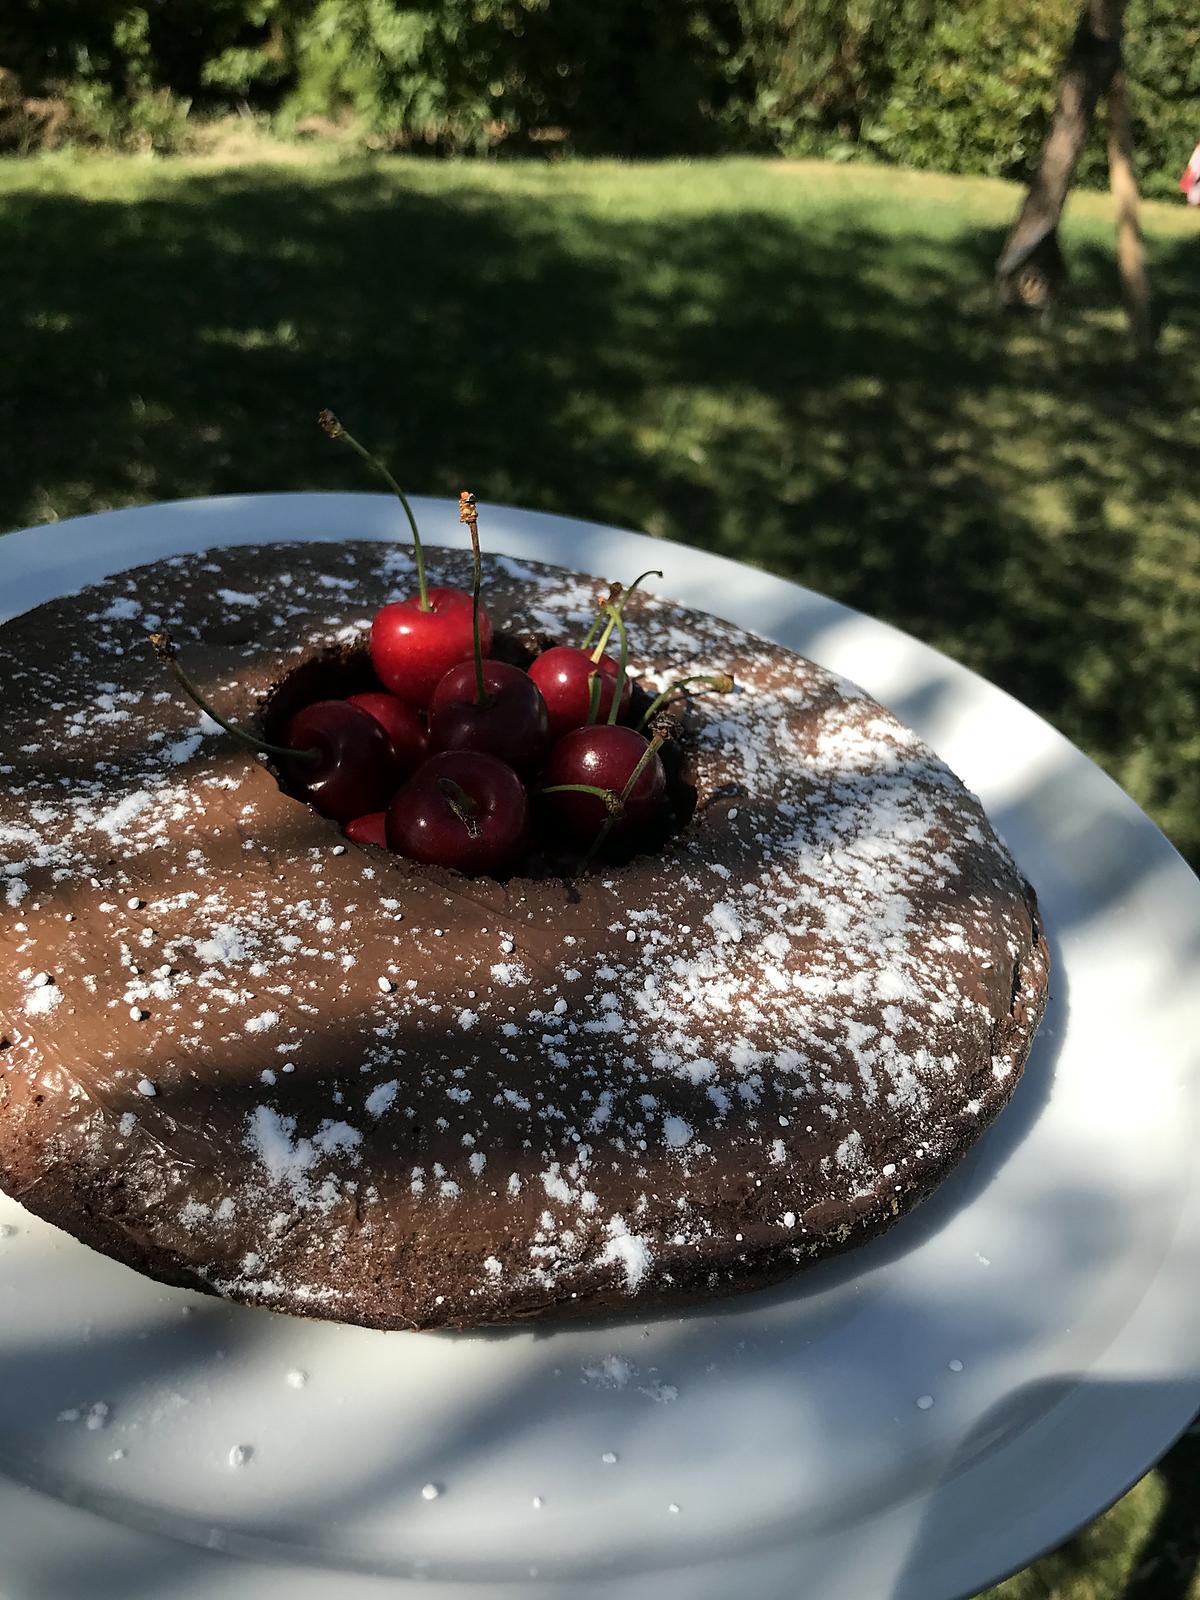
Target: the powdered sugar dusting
(629, 1251)
(782, 1027)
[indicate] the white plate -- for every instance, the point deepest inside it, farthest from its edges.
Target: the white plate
(793, 1428)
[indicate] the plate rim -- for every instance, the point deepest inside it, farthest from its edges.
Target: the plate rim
(135, 547)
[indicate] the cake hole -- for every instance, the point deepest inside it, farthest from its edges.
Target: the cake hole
(339, 671)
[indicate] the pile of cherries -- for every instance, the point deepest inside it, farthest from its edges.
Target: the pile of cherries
(448, 762)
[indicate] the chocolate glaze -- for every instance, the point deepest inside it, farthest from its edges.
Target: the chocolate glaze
(239, 1053)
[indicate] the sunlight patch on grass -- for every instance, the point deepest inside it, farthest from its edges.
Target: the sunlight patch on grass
(282, 336)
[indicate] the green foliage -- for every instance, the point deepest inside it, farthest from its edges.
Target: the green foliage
(979, 93)
(472, 74)
(818, 70)
(413, 76)
(928, 83)
(1163, 60)
(122, 75)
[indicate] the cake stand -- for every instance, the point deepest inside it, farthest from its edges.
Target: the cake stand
(913, 1421)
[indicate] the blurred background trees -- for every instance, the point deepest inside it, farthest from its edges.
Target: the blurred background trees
(924, 83)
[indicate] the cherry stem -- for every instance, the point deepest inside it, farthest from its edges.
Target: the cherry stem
(619, 602)
(644, 760)
(622, 664)
(612, 800)
(594, 687)
(719, 683)
(468, 513)
(335, 430)
(614, 594)
(647, 755)
(164, 648)
(460, 802)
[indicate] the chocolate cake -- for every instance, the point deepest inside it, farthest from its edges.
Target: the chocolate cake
(242, 1054)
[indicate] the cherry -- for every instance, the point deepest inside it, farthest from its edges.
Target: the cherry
(603, 782)
(563, 674)
(511, 724)
(336, 756)
(415, 642)
(370, 829)
(461, 809)
(413, 646)
(355, 768)
(401, 724)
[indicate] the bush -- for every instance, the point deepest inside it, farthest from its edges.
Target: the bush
(958, 88)
(931, 83)
(979, 93)
(472, 74)
(441, 77)
(817, 71)
(1163, 64)
(127, 76)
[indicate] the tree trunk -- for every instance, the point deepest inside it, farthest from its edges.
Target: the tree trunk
(1031, 266)
(1131, 247)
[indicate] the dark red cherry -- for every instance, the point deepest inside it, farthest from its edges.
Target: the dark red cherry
(603, 758)
(370, 829)
(354, 770)
(412, 650)
(562, 675)
(402, 725)
(511, 725)
(462, 809)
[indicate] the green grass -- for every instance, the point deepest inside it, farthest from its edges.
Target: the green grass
(795, 365)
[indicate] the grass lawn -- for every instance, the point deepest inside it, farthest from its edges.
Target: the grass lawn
(793, 364)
